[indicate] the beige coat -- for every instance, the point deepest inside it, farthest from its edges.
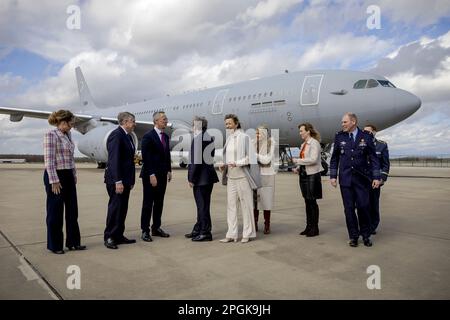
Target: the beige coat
(312, 160)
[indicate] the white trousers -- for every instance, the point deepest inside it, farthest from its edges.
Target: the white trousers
(240, 194)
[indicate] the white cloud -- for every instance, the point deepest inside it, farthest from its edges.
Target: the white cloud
(10, 83)
(342, 50)
(418, 12)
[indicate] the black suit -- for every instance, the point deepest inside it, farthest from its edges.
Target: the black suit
(156, 161)
(202, 175)
(120, 167)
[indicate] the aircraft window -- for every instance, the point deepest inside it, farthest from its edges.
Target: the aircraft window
(254, 96)
(386, 83)
(249, 96)
(239, 99)
(229, 100)
(234, 99)
(372, 83)
(265, 94)
(243, 98)
(259, 95)
(360, 84)
(270, 94)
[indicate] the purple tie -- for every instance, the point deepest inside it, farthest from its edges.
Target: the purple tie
(163, 141)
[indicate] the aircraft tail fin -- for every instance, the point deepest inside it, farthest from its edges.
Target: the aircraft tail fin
(83, 90)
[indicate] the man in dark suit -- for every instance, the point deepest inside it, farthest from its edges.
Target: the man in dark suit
(156, 172)
(201, 177)
(382, 151)
(119, 179)
(359, 170)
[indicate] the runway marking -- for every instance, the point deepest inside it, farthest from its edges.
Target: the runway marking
(31, 273)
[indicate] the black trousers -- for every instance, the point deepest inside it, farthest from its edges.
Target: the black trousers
(356, 197)
(56, 203)
(117, 212)
(374, 208)
(153, 202)
(202, 195)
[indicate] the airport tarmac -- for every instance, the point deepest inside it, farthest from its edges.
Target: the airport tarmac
(411, 249)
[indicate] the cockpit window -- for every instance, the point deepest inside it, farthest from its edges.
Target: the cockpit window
(372, 83)
(360, 84)
(386, 83)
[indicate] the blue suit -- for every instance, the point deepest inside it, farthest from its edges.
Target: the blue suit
(357, 164)
(202, 175)
(382, 151)
(120, 167)
(156, 161)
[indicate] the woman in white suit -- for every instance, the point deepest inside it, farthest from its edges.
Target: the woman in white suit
(309, 176)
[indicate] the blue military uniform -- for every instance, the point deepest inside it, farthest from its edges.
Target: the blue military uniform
(382, 152)
(357, 164)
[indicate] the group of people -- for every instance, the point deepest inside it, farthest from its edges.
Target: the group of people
(248, 170)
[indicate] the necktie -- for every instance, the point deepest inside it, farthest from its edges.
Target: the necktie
(131, 140)
(351, 137)
(163, 141)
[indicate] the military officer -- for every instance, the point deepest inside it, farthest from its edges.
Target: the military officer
(382, 151)
(355, 159)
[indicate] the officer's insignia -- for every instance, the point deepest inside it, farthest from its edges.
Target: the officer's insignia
(343, 143)
(362, 143)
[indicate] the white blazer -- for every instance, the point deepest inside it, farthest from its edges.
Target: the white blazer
(312, 160)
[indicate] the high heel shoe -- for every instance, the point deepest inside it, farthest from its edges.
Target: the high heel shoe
(79, 247)
(225, 240)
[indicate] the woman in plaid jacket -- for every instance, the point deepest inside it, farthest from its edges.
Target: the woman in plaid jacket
(60, 183)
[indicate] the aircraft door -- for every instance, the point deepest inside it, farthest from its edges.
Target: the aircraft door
(217, 106)
(311, 90)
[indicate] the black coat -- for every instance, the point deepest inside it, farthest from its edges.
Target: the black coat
(156, 158)
(201, 167)
(120, 165)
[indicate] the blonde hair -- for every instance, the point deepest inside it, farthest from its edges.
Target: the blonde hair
(58, 116)
(265, 129)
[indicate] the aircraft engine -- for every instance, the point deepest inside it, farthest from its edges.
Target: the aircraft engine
(93, 143)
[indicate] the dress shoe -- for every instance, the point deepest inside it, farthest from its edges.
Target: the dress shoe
(314, 231)
(225, 240)
(79, 247)
(245, 240)
(146, 237)
(368, 242)
(374, 232)
(353, 243)
(125, 240)
(58, 251)
(111, 244)
(191, 235)
(202, 237)
(160, 233)
(304, 232)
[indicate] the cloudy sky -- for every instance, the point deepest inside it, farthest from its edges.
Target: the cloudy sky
(135, 50)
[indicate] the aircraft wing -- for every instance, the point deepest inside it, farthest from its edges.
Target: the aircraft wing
(17, 114)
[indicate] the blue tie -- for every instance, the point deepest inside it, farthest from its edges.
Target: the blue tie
(351, 136)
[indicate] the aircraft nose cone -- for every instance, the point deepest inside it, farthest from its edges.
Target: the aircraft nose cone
(407, 103)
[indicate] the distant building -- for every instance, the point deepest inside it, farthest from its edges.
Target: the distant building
(12, 161)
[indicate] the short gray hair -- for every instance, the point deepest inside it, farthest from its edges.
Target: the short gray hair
(122, 116)
(157, 115)
(202, 120)
(352, 116)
